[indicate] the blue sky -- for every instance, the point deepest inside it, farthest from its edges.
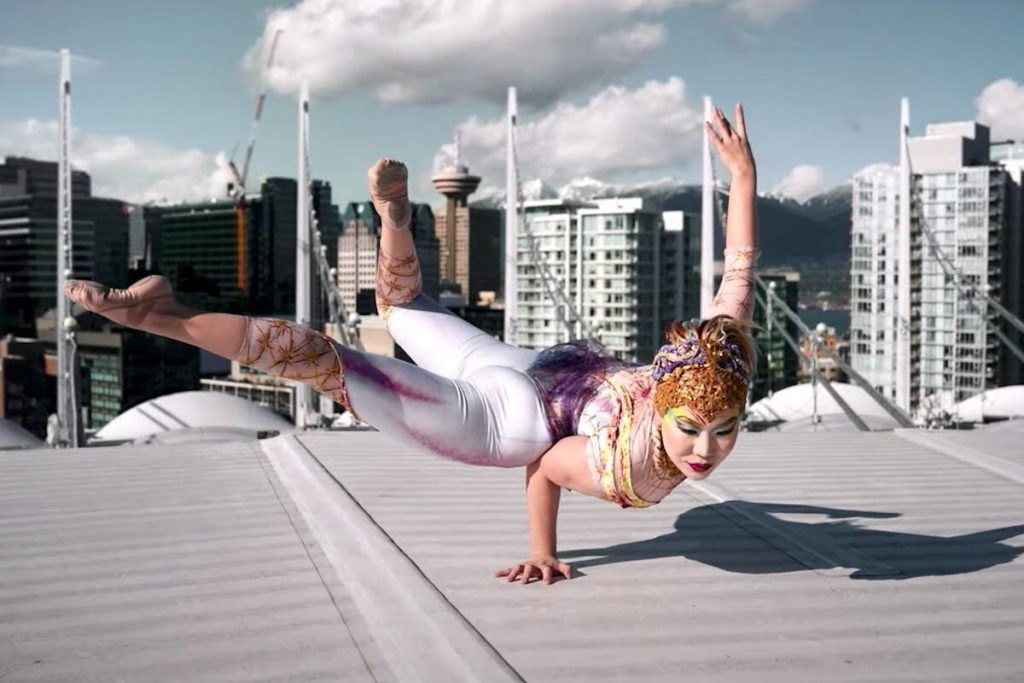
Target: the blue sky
(821, 82)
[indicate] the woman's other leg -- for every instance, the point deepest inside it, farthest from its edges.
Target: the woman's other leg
(494, 418)
(433, 336)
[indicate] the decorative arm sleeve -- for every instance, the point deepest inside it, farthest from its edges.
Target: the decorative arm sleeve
(736, 293)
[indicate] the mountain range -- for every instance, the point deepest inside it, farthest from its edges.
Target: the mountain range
(811, 237)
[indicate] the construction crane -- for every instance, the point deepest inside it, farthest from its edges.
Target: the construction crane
(237, 190)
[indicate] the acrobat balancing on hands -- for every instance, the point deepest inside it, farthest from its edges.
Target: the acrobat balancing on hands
(573, 416)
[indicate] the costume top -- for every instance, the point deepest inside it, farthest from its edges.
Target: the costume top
(587, 393)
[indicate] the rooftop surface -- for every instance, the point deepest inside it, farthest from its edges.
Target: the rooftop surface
(891, 556)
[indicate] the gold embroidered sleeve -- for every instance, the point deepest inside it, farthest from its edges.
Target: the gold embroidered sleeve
(736, 293)
(294, 351)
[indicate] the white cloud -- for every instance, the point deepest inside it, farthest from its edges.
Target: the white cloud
(618, 131)
(440, 50)
(121, 166)
(801, 183)
(1001, 106)
(765, 11)
(877, 168)
(14, 56)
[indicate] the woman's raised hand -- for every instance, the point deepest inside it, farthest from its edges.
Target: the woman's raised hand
(732, 144)
(547, 568)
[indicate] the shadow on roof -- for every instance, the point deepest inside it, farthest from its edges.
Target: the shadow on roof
(707, 535)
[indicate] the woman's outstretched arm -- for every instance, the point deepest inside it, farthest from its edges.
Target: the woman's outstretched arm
(736, 293)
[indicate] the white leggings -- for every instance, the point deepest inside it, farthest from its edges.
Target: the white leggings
(468, 397)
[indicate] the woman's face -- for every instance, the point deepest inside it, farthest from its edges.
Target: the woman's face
(695, 445)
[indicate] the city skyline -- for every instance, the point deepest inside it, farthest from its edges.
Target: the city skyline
(588, 112)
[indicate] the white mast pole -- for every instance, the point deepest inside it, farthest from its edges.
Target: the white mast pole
(903, 267)
(67, 409)
(707, 224)
(511, 222)
(303, 309)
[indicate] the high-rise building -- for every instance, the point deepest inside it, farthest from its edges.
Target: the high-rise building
(28, 240)
(609, 257)
(779, 365)
(473, 263)
(120, 367)
(357, 254)
(209, 257)
(963, 200)
(680, 265)
(275, 269)
(241, 257)
(1010, 155)
(28, 391)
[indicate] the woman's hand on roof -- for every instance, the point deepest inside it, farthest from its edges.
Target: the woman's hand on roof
(545, 568)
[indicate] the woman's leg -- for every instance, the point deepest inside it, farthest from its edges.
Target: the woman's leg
(492, 418)
(433, 337)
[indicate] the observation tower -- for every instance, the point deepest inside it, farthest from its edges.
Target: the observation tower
(456, 184)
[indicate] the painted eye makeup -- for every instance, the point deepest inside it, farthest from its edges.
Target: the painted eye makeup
(728, 430)
(690, 431)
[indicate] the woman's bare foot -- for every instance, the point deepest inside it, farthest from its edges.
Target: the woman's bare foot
(389, 192)
(125, 306)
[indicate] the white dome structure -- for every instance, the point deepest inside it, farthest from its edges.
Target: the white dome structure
(199, 413)
(796, 403)
(13, 436)
(999, 403)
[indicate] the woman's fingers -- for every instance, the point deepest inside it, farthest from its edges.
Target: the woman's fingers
(525, 573)
(513, 572)
(713, 134)
(741, 123)
(723, 123)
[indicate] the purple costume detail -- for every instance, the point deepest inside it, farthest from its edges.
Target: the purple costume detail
(690, 352)
(355, 364)
(568, 375)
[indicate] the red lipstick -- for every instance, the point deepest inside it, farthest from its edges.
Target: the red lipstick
(699, 467)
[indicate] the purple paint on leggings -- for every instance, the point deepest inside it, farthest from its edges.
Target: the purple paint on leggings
(568, 376)
(356, 364)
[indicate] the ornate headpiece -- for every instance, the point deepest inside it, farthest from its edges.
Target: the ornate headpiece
(709, 375)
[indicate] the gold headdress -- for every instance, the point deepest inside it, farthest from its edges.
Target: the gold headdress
(709, 373)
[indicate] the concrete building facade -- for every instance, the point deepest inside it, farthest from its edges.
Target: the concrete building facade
(963, 204)
(28, 240)
(357, 254)
(779, 364)
(626, 267)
